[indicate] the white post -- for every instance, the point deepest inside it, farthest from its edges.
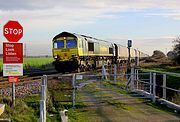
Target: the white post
(103, 69)
(104, 74)
(42, 114)
(115, 73)
(13, 94)
(154, 87)
(150, 81)
(164, 86)
(137, 78)
(43, 99)
(73, 90)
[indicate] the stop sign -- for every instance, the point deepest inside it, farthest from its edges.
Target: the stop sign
(13, 31)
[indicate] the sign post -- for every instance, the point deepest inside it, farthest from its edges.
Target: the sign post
(129, 52)
(13, 54)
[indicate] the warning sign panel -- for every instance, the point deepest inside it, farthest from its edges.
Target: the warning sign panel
(12, 59)
(13, 79)
(12, 53)
(12, 69)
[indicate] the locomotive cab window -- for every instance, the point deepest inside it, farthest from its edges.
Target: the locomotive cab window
(71, 44)
(110, 50)
(58, 44)
(90, 46)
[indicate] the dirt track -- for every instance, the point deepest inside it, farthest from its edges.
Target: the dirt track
(109, 104)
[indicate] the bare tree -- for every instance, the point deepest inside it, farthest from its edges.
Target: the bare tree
(176, 50)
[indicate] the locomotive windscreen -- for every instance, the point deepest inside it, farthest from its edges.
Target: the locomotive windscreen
(58, 44)
(71, 44)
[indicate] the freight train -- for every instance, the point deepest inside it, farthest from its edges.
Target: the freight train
(79, 52)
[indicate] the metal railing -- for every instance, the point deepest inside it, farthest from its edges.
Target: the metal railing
(146, 85)
(149, 84)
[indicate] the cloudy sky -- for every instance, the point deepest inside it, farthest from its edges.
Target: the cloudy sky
(151, 24)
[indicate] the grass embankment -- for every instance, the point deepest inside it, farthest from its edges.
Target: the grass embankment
(27, 110)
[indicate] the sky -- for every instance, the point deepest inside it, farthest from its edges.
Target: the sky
(150, 24)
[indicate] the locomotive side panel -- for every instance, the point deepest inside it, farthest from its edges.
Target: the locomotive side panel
(106, 49)
(123, 53)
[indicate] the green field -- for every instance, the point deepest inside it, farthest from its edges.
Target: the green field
(160, 67)
(1, 63)
(32, 62)
(36, 62)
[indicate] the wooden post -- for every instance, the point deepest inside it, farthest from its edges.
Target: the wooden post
(111, 71)
(164, 86)
(154, 87)
(115, 73)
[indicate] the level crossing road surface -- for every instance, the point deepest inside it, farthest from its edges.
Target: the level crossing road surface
(109, 103)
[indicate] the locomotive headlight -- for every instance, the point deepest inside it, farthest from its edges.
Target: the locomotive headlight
(57, 57)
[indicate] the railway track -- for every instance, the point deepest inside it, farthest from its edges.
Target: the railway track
(26, 86)
(30, 75)
(33, 72)
(36, 71)
(31, 81)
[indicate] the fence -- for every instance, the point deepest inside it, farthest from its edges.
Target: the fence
(155, 83)
(152, 85)
(159, 86)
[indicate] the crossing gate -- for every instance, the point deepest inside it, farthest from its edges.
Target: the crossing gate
(85, 90)
(97, 91)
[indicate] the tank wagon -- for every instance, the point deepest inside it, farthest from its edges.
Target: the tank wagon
(79, 52)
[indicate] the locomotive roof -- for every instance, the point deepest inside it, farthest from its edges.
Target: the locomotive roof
(64, 34)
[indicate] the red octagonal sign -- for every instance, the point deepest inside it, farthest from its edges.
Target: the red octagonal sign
(13, 31)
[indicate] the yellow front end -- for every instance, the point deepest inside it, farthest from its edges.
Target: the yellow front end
(66, 49)
(65, 54)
